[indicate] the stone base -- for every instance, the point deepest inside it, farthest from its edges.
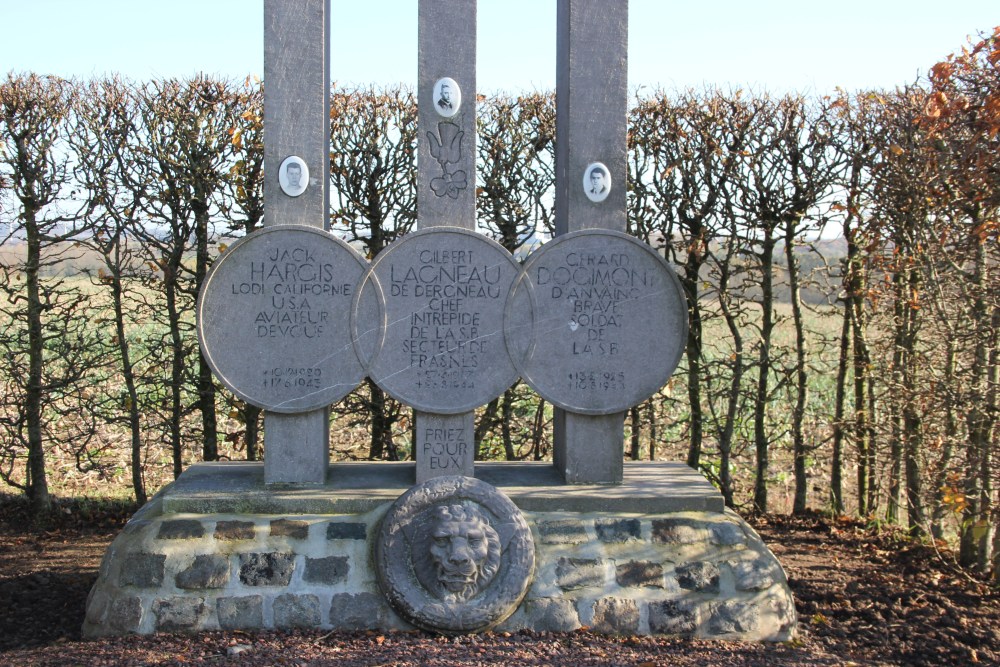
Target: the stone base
(188, 562)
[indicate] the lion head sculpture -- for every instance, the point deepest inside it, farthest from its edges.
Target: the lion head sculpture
(457, 554)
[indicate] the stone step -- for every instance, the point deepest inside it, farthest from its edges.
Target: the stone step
(354, 488)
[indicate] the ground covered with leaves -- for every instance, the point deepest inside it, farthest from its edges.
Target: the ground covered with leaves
(863, 597)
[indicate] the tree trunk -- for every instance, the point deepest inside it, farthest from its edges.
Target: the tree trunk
(206, 384)
(839, 410)
(898, 387)
(251, 418)
(986, 469)
(538, 430)
(37, 482)
(128, 375)
(507, 410)
(651, 416)
(864, 397)
(176, 366)
(486, 422)
(381, 445)
(976, 534)
(761, 440)
(634, 439)
(732, 404)
(940, 511)
(912, 418)
(801, 379)
(692, 268)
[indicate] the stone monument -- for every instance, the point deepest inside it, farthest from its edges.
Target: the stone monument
(292, 319)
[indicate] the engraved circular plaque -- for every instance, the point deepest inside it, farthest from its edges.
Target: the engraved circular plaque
(597, 181)
(274, 318)
(444, 292)
(454, 555)
(607, 322)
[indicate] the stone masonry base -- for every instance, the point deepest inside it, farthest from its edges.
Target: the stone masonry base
(694, 573)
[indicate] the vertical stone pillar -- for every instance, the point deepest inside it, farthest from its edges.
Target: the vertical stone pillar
(591, 127)
(297, 123)
(446, 191)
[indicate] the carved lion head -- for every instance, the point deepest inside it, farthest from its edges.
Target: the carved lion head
(458, 552)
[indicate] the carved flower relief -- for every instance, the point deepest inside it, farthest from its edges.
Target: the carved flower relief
(449, 184)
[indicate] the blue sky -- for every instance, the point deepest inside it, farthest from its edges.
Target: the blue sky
(775, 45)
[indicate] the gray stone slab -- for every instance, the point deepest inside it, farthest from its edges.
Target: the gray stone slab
(297, 446)
(206, 571)
(616, 616)
(358, 611)
(446, 176)
(591, 110)
(588, 448)
(296, 611)
(445, 445)
(240, 612)
(573, 573)
(618, 530)
(446, 182)
(444, 292)
(591, 127)
(297, 107)
(297, 123)
(609, 325)
(274, 318)
(237, 487)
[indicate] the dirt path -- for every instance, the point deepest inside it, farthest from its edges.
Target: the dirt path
(862, 598)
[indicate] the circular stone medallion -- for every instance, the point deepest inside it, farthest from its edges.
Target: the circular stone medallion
(608, 319)
(274, 318)
(454, 555)
(443, 292)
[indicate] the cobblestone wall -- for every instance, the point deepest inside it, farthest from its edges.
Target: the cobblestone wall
(694, 573)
